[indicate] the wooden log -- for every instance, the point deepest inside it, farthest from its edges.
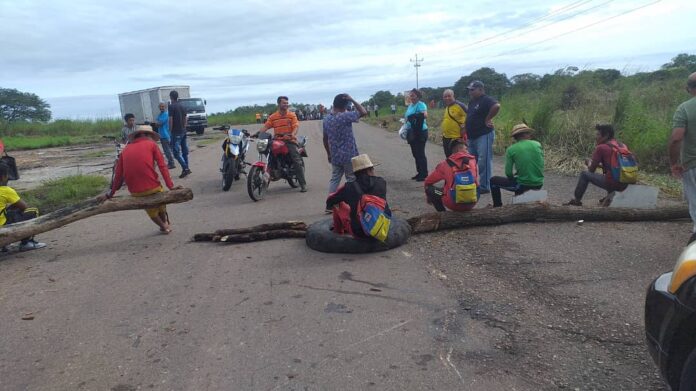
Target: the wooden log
(263, 235)
(88, 208)
(538, 212)
(217, 235)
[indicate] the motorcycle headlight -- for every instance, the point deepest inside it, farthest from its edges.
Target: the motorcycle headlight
(235, 136)
(262, 145)
(684, 269)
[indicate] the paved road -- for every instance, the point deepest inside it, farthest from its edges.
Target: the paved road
(519, 307)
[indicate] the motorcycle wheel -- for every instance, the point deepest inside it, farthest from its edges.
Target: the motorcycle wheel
(228, 173)
(256, 185)
(292, 180)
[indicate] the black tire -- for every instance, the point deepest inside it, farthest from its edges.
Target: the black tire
(320, 237)
(229, 170)
(292, 181)
(256, 186)
(687, 381)
(200, 130)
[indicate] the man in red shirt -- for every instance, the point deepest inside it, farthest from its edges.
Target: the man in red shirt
(136, 167)
(285, 125)
(440, 197)
(600, 158)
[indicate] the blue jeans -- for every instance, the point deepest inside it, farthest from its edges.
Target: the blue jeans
(180, 150)
(337, 172)
(482, 148)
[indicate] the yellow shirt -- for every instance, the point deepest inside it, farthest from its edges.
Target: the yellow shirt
(452, 119)
(8, 196)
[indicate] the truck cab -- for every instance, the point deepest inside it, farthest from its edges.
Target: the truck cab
(197, 117)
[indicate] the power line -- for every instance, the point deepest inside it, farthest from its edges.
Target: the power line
(416, 64)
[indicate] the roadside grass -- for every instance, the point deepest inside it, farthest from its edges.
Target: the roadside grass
(58, 193)
(231, 119)
(31, 135)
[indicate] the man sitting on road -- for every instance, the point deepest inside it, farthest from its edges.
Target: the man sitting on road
(128, 128)
(524, 166)
(13, 210)
(344, 202)
(285, 125)
(136, 167)
(600, 158)
(339, 140)
(441, 197)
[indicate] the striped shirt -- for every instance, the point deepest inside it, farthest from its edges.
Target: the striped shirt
(283, 125)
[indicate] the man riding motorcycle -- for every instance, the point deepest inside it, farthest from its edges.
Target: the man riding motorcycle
(285, 125)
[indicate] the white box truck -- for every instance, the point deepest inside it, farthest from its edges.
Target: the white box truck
(144, 104)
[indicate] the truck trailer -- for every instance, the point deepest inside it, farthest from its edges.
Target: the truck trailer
(144, 104)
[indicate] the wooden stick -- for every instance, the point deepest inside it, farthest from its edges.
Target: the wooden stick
(263, 235)
(85, 209)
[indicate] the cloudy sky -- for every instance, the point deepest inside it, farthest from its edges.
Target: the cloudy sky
(79, 55)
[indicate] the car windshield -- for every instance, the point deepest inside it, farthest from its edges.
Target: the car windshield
(192, 104)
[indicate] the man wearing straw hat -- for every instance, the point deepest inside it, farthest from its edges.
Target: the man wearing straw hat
(524, 165)
(344, 202)
(136, 167)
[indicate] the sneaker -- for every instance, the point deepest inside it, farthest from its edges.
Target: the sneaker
(31, 245)
(171, 166)
(185, 173)
(573, 202)
(414, 177)
(303, 189)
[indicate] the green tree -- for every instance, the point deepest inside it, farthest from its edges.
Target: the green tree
(525, 82)
(383, 98)
(682, 60)
(496, 83)
(23, 106)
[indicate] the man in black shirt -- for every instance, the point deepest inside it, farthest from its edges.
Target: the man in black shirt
(479, 129)
(177, 128)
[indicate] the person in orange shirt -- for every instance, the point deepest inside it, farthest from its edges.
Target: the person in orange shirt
(258, 118)
(285, 124)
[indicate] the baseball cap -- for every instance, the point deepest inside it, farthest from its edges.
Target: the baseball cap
(475, 84)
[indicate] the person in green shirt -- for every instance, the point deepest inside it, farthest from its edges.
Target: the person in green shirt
(682, 148)
(526, 157)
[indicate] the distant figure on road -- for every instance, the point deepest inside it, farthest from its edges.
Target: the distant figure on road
(128, 128)
(524, 166)
(393, 108)
(14, 210)
(265, 117)
(339, 141)
(376, 107)
(453, 121)
(344, 202)
(177, 127)
(416, 114)
(682, 148)
(258, 118)
(285, 125)
(136, 167)
(459, 164)
(165, 136)
(479, 129)
(601, 157)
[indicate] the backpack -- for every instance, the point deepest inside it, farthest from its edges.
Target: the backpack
(624, 168)
(464, 188)
(374, 220)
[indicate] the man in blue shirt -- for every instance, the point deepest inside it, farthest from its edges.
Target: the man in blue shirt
(479, 129)
(339, 141)
(165, 137)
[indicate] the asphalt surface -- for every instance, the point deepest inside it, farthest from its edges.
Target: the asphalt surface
(114, 305)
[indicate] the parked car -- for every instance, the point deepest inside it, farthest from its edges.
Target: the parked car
(670, 322)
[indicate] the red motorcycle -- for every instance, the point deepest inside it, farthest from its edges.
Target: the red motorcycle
(274, 164)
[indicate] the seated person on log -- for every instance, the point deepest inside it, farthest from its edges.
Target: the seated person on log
(526, 159)
(460, 174)
(136, 167)
(601, 157)
(13, 210)
(344, 202)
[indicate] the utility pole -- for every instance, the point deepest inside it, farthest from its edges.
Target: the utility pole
(416, 64)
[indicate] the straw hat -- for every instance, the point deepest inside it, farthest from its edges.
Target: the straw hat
(361, 162)
(144, 129)
(520, 128)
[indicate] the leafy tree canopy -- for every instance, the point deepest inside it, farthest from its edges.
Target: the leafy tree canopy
(23, 106)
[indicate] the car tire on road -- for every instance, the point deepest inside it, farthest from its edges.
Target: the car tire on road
(320, 237)
(688, 374)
